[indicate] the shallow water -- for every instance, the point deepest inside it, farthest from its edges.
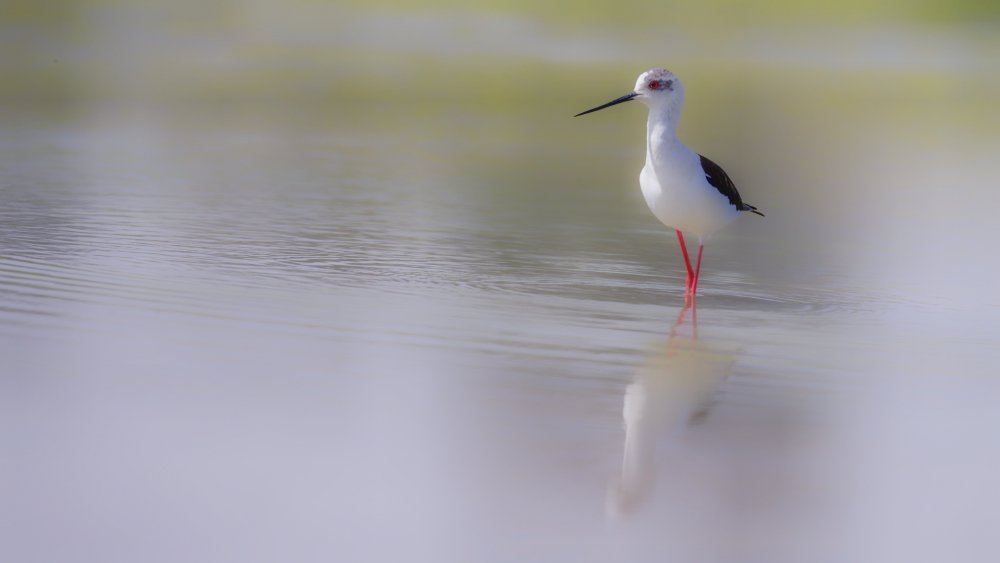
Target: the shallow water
(253, 333)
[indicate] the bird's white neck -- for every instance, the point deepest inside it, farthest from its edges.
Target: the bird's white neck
(661, 127)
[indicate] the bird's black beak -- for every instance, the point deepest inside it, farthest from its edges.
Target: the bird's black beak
(627, 97)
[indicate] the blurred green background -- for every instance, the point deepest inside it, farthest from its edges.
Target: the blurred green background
(503, 52)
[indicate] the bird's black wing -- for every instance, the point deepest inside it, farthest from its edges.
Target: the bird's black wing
(720, 180)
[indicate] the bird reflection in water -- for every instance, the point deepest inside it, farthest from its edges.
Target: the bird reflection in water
(671, 390)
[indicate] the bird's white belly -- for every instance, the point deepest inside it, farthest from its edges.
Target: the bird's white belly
(686, 201)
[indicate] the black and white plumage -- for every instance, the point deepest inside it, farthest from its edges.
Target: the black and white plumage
(720, 180)
(685, 190)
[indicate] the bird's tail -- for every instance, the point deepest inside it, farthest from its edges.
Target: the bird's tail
(751, 209)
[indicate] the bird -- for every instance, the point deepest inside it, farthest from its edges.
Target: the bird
(686, 191)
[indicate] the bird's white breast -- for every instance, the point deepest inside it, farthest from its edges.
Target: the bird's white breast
(678, 193)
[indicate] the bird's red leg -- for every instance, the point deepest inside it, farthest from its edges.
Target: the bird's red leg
(697, 268)
(687, 262)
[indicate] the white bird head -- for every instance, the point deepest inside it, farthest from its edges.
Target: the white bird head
(655, 88)
(659, 86)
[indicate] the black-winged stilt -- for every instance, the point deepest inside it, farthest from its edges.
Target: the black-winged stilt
(685, 190)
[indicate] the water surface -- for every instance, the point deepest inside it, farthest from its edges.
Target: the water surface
(382, 332)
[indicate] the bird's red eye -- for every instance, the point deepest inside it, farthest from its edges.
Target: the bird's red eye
(654, 84)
